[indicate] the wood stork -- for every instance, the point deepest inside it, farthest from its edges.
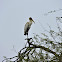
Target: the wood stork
(28, 26)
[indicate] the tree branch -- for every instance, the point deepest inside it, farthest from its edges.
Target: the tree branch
(42, 47)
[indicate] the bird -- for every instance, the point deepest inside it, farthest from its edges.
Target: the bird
(28, 26)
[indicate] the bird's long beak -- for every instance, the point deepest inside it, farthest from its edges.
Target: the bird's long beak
(33, 21)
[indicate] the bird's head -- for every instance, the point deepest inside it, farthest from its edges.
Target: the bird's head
(31, 19)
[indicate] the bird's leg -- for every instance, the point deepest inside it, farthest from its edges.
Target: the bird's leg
(27, 36)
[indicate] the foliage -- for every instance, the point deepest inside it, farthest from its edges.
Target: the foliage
(41, 48)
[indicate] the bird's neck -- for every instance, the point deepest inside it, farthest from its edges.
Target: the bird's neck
(30, 22)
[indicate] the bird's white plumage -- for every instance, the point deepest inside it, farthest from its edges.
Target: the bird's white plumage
(26, 27)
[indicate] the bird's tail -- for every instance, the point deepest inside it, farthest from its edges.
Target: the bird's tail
(26, 33)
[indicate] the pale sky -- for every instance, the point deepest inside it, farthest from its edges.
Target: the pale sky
(13, 16)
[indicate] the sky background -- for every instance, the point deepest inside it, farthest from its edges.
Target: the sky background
(13, 16)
